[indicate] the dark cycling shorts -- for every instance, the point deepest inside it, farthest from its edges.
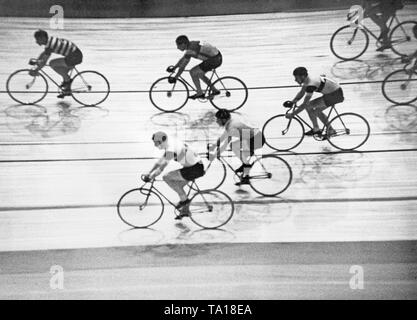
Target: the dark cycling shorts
(253, 141)
(211, 63)
(193, 172)
(74, 58)
(334, 97)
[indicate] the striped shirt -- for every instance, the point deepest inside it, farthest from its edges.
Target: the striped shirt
(60, 46)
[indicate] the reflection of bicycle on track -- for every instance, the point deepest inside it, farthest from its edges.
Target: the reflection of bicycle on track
(171, 95)
(283, 134)
(351, 41)
(400, 86)
(87, 87)
(142, 207)
(269, 175)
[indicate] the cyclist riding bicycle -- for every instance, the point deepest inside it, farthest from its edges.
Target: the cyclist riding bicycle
(332, 94)
(192, 168)
(72, 57)
(244, 140)
(211, 57)
(380, 11)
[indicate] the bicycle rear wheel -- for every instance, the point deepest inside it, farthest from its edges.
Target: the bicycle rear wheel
(26, 89)
(348, 43)
(140, 208)
(352, 131)
(400, 87)
(270, 175)
(168, 97)
(233, 93)
(90, 88)
(278, 137)
(402, 38)
(211, 209)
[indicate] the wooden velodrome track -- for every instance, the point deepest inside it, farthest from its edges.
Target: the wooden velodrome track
(61, 173)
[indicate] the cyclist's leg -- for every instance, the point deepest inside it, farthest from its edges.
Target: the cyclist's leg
(312, 113)
(176, 182)
(197, 74)
(319, 108)
(59, 66)
(209, 65)
(329, 100)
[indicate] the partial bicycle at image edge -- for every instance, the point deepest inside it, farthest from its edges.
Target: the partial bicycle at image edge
(351, 41)
(400, 86)
(89, 88)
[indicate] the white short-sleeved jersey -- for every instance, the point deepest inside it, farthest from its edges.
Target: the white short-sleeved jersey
(320, 84)
(180, 152)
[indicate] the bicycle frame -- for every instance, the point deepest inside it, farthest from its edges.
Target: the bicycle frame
(73, 70)
(257, 157)
(156, 190)
(214, 73)
(305, 122)
(391, 21)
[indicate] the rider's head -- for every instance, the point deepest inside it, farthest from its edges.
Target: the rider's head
(222, 116)
(41, 37)
(160, 139)
(415, 31)
(300, 74)
(182, 42)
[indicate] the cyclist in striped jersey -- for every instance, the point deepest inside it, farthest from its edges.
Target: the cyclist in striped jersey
(72, 57)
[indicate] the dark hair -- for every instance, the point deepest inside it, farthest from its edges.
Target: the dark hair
(41, 34)
(415, 29)
(182, 39)
(223, 114)
(300, 71)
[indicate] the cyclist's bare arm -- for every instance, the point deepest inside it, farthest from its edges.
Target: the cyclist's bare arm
(181, 64)
(305, 103)
(158, 167)
(42, 59)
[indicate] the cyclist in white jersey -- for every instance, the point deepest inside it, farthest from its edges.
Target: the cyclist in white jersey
(192, 167)
(72, 57)
(211, 57)
(244, 140)
(332, 94)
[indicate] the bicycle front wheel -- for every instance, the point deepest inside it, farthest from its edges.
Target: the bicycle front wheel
(270, 175)
(90, 88)
(349, 43)
(281, 134)
(211, 209)
(400, 87)
(140, 208)
(168, 97)
(26, 89)
(402, 38)
(352, 131)
(233, 93)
